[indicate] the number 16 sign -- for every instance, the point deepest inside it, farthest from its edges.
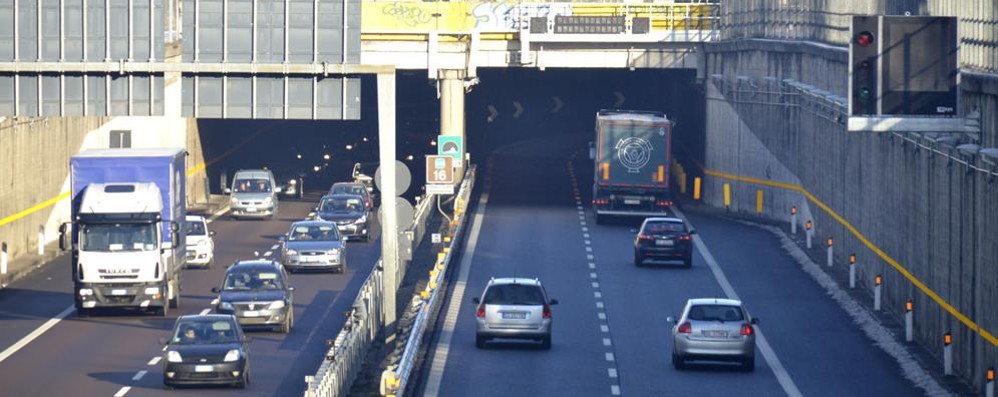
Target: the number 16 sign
(439, 169)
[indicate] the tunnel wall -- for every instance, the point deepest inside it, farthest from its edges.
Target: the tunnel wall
(923, 207)
(34, 173)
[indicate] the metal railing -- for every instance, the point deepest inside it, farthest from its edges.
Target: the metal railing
(347, 352)
(398, 375)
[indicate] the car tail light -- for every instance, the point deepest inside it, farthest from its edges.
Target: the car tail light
(645, 237)
(685, 238)
(547, 311)
(601, 201)
(481, 311)
(663, 203)
(747, 330)
(685, 328)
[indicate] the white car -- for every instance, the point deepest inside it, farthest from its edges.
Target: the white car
(200, 244)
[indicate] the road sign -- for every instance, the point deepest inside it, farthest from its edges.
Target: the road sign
(452, 146)
(439, 169)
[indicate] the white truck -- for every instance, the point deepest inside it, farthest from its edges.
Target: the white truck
(127, 244)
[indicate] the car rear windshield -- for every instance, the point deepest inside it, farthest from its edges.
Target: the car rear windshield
(664, 227)
(514, 294)
(715, 313)
(204, 332)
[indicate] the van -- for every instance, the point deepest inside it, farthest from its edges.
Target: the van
(254, 195)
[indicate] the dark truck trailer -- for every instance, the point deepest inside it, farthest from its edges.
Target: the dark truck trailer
(632, 153)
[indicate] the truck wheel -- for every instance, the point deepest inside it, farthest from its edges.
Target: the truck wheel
(637, 261)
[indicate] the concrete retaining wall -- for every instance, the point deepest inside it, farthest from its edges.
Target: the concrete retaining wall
(925, 209)
(34, 173)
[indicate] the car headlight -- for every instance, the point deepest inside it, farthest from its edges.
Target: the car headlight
(234, 200)
(276, 305)
(293, 182)
(173, 356)
(361, 219)
(86, 292)
(267, 200)
(291, 253)
(203, 243)
(334, 251)
(225, 306)
(152, 290)
(231, 356)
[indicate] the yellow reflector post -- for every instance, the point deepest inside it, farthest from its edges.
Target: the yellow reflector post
(696, 188)
(758, 201)
(727, 195)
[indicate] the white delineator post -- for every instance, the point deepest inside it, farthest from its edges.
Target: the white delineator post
(877, 281)
(909, 334)
(807, 231)
(41, 240)
(793, 220)
(852, 271)
(3, 258)
(830, 252)
(948, 354)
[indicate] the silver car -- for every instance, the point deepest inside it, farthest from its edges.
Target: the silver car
(254, 195)
(714, 330)
(513, 308)
(314, 245)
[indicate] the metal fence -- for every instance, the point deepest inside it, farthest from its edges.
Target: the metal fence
(828, 22)
(347, 352)
(398, 375)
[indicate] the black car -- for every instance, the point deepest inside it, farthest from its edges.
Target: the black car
(348, 211)
(258, 294)
(664, 238)
(206, 349)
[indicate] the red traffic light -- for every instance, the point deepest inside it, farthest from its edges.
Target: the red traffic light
(864, 38)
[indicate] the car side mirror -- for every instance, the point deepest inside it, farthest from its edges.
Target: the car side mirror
(291, 289)
(164, 341)
(476, 300)
(227, 191)
(692, 231)
(63, 236)
(553, 302)
(174, 226)
(216, 290)
(670, 319)
(755, 321)
(277, 190)
(211, 233)
(634, 230)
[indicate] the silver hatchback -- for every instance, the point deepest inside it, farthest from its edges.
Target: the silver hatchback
(513, 308)
(714, 330)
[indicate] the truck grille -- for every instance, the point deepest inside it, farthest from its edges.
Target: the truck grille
(119, 277)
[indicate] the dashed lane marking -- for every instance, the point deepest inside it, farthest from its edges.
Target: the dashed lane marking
(592, 275)
(598, 294)
(604, 328)
(139, 375)
(599, 305)
(205, 311)
(612, 372)
(122, 391)
(609, 357)
(154, 360)
(601, 315)
(606, 342)
(214, 301)
(615, 390)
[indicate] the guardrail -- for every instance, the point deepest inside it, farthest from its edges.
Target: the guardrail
(396, 378)
(347, 352)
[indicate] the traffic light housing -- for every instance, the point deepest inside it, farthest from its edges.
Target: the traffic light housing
(863, 60)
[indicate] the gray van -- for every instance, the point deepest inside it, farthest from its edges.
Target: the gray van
(254, 194)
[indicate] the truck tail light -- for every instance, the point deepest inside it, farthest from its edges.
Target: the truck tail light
(663, 203)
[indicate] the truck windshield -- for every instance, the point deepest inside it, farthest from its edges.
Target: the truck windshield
(251, 186)
(111, 237)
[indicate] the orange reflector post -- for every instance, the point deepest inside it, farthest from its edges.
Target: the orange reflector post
(947, 339)
(808, 225)
(991, 374)
(852, 260)
(830, 241)
(878, 280)
(908, 306)
(793, 210)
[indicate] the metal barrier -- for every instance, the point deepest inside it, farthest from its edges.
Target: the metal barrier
(346, 355)
(397, 376)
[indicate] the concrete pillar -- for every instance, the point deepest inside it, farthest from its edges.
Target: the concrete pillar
(451, 85)
(389, 227)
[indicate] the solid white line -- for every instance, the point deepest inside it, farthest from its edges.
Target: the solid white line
(615, 390)
(36, 333)
(767, 352)
(606, 342)
(121, 392)
(442, 348)
(268, 253)
(609, 357)
(612, 372)
(205, 311)
(604, 328)
(217, 214)
(139, 375)
(154, 360)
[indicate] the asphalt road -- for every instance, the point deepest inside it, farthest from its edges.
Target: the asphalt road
(101, 356)
(610, 331)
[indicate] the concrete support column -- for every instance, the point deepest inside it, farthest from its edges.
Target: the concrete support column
(451, 86)
(389, 226)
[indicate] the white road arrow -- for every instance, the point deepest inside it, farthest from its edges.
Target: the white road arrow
(620, 99)
(558, 104)
(493, 113)
(519, 109)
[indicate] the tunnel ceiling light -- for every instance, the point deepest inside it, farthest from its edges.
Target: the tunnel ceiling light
(433, 143)
(325, 156)
(409, 157)
(349, 147)
(365, 139)
(299, 156)
(316, 168)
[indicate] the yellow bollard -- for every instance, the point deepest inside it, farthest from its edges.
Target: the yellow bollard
(696, 188)
(727, 195)
(682, 182)
(758, 201)
(446, 239)
(441, 256)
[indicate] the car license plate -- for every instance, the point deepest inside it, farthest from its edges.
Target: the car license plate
(250, 209)
(715, 333)
(118, 292)
(514, 315)
(667, 243)
(251, 313)
(202, 368)
(632, 202)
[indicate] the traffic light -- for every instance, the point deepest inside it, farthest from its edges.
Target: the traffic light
(863, 57)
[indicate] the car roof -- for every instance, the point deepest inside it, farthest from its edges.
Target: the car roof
(342, 196)
(255, 263)
(514, 280)
(313, 223)
(349, 184)
(211, 316)
(252, 174)
(194, 218)
(714, 301)
(664, 219)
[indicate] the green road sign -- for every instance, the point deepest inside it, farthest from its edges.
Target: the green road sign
(451, 145)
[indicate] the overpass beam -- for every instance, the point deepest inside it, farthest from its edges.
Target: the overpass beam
(451, 83)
